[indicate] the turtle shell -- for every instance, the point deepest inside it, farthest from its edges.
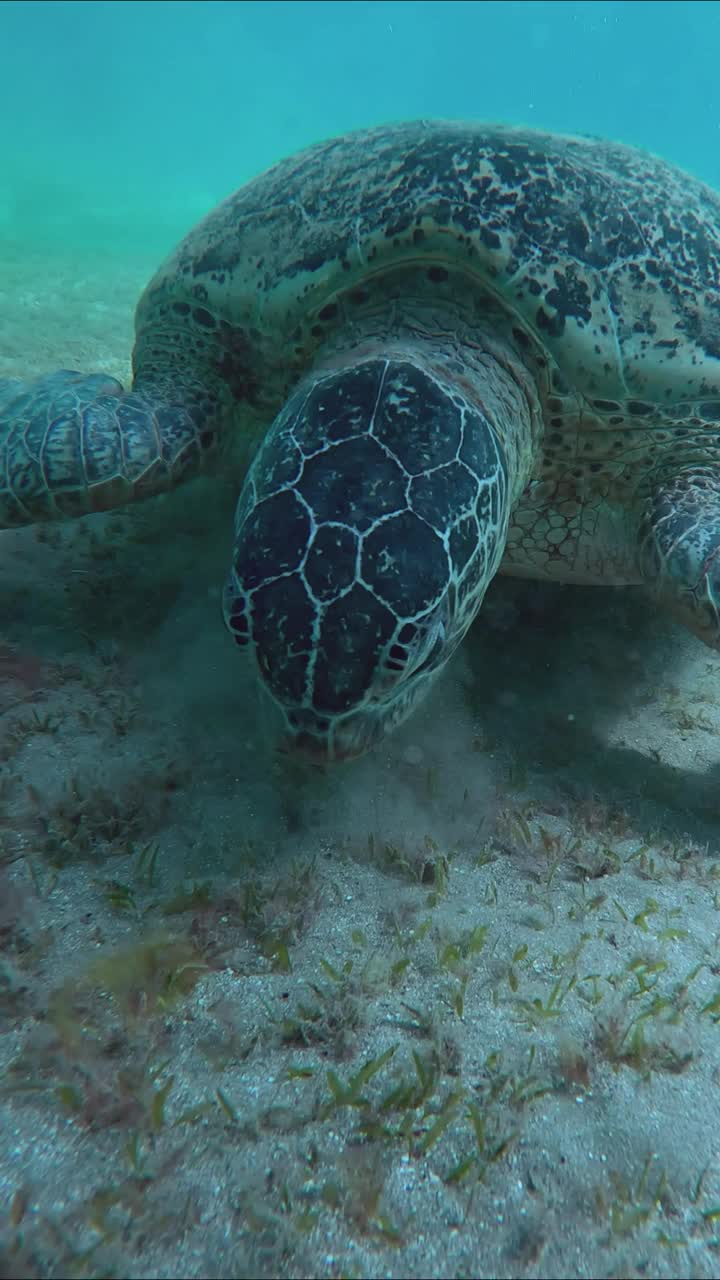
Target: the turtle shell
(602, 257)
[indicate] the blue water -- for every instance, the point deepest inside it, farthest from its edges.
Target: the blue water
(121, 124)
(127, 120)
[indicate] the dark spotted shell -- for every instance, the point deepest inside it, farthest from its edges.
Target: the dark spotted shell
(608, 256)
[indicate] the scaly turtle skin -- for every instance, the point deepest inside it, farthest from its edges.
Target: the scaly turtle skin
(470, 348)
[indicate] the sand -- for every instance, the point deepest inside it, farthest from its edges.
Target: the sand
(451, 1010)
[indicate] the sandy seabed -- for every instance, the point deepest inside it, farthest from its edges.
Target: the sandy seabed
(452, 1010)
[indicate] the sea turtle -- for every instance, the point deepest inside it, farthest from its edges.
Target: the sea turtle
(470, 349)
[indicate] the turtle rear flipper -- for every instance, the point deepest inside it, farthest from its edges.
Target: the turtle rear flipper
(72, 443)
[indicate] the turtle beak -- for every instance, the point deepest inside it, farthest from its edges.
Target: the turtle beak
(345, 739)
(320, 751)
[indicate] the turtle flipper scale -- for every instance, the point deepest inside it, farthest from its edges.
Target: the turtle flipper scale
(680, 550)
(72, 443)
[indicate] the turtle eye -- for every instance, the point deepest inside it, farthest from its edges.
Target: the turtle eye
(239, 627)
(408, 652)
(398, 658)
(240, 630)
(395, 663)
(431, 659)
(236, 615)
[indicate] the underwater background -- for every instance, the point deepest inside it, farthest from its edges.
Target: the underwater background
(450, 1010)
(122, 123)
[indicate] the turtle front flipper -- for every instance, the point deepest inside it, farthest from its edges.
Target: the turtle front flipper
(72, 443)
(680, 550)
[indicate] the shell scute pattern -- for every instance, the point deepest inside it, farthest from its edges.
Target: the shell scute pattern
(357, 476)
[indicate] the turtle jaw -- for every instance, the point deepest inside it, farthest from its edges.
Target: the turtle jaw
(344, 742)
(336, 740)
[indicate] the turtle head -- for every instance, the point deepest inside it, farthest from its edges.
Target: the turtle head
(369, 525)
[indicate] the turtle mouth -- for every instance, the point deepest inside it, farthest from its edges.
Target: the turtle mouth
(319, 750)
(336, 742)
